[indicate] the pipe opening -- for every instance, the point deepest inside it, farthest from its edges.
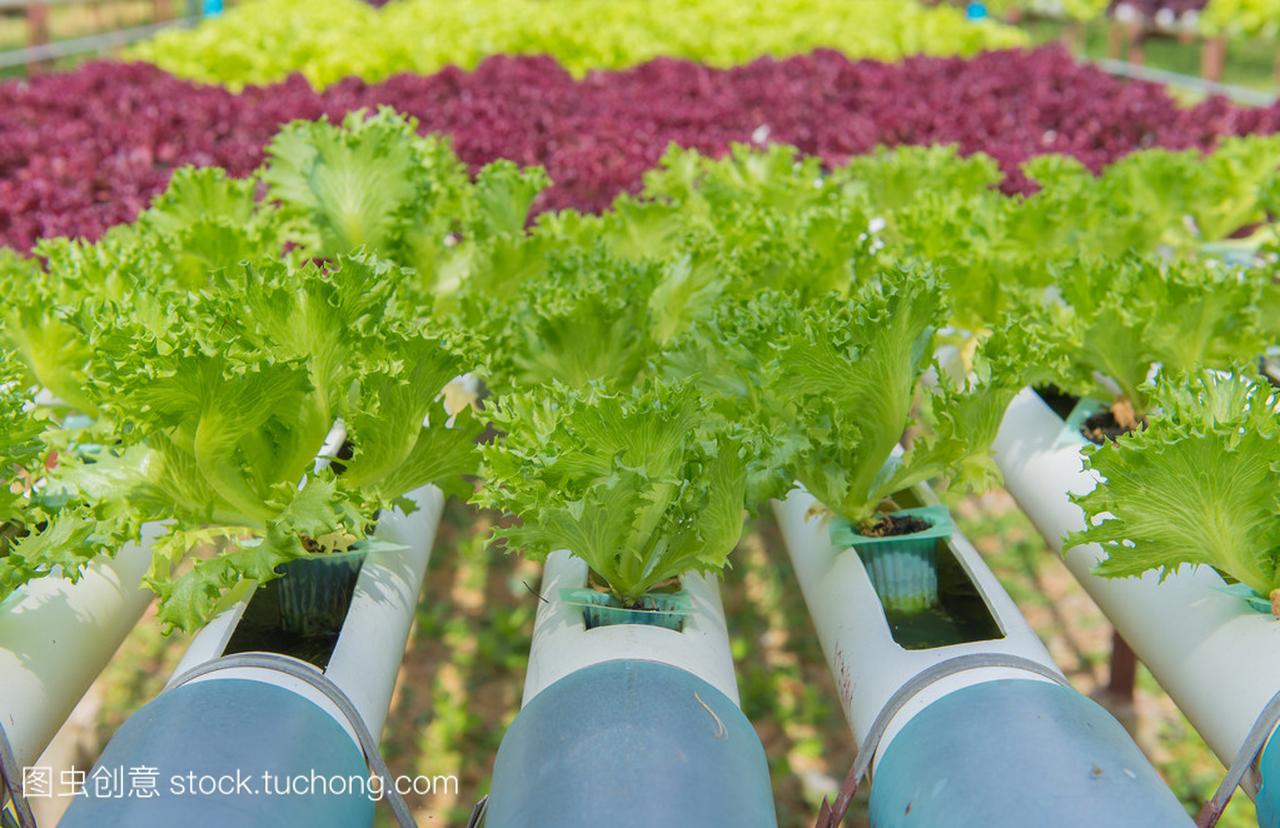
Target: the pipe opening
(960, 614)
(957, 614)
(301, 614)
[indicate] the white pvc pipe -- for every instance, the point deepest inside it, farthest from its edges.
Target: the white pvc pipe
(56, 637)
(562, 644)
(869, 666)
(367, 656)
(1217, 659)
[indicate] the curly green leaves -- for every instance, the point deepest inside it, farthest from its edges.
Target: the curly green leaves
(1199, 485)
(1126, 318)
(642, 485)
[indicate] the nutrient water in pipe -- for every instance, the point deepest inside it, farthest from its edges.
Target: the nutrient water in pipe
(926, 598)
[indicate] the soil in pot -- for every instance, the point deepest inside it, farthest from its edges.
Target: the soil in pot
(899, 552)
(1102, 427)
(1110, 424)
(897, 524)
(1099, 423)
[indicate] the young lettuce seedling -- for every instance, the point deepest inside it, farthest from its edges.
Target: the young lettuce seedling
(203, 222)
(1199, 486)
(1123, 320)
(644, 485)
(43, 529)
(373, 184)
(853, 369)
(586, 319)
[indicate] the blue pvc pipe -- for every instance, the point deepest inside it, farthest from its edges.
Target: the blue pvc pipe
(265, 749)
(1268, 799)
(1014, 753)
(630, 744)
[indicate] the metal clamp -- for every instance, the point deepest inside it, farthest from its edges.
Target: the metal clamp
(477, 813)
(318, 680)
(830, 816)
(1254, 742)
(11, 785)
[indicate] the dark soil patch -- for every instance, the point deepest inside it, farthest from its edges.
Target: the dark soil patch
(1103, 427)
(893, 525)
(1060, 401)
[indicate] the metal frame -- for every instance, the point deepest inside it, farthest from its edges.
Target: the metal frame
(99, 42)
(1239, 94)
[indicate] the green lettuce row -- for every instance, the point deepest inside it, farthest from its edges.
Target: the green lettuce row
(1242, 18)
(327, 40)
(787, 312)
(1079, 10)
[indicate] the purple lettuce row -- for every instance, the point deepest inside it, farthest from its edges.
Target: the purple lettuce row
(83, 150)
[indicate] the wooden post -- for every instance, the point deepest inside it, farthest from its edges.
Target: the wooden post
(1073, 35)
(37, 31)
(1213, 55)
(1134, 34)
(1124, 670)
(1115, 39)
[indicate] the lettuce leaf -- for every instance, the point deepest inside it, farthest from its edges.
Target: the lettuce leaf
(852, 367)
(586, 319)
(1198, 486)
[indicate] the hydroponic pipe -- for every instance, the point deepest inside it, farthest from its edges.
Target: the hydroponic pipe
(253, 746)
(1003, 745)
(1217, 659)
(629, 725)
(56, 637)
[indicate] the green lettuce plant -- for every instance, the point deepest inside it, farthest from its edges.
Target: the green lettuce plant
(374, 184)
(1200, 486)
(852, 369)
(46, 527)
(587, 318)
(643, 485)
(218, 416)
(1123, 320)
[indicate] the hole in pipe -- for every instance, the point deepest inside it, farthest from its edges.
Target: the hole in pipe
(959, 616)
(302, 619)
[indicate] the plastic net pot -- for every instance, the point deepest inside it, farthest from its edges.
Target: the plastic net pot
(902, 568)
(601, 609)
